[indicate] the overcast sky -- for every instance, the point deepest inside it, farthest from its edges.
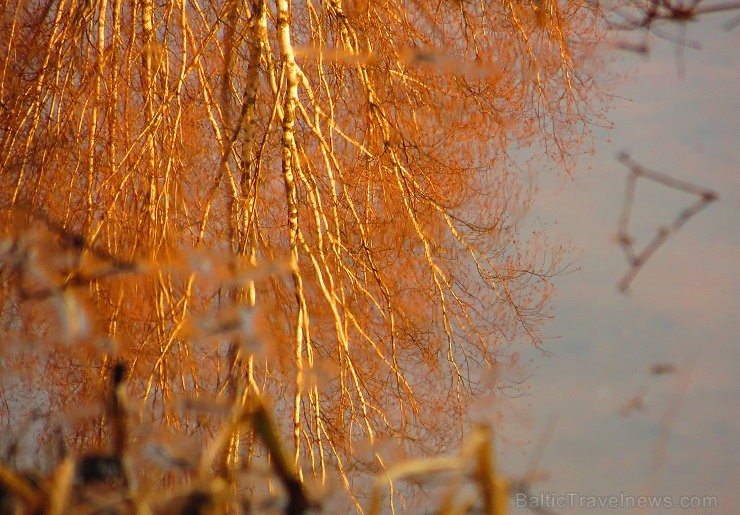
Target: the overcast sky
(683, 308)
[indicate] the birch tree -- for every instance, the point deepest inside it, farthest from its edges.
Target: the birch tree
(346, 176)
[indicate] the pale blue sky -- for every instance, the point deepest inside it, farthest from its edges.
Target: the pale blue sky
(683, 308)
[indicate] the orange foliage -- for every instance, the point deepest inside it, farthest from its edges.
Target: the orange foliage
(316, 202)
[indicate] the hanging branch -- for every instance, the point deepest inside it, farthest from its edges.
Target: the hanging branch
(637, 260)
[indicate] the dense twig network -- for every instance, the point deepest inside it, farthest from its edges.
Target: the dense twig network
(160, 160)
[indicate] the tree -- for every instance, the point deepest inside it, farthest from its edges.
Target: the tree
(346, 176)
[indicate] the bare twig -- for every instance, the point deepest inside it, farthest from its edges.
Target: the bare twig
(635, 259)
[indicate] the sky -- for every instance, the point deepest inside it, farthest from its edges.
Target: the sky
(574, 418)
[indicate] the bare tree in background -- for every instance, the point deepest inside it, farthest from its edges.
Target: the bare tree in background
(161, 160)
(650, 19)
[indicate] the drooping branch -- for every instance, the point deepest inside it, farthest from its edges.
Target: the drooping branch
(637, 260)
